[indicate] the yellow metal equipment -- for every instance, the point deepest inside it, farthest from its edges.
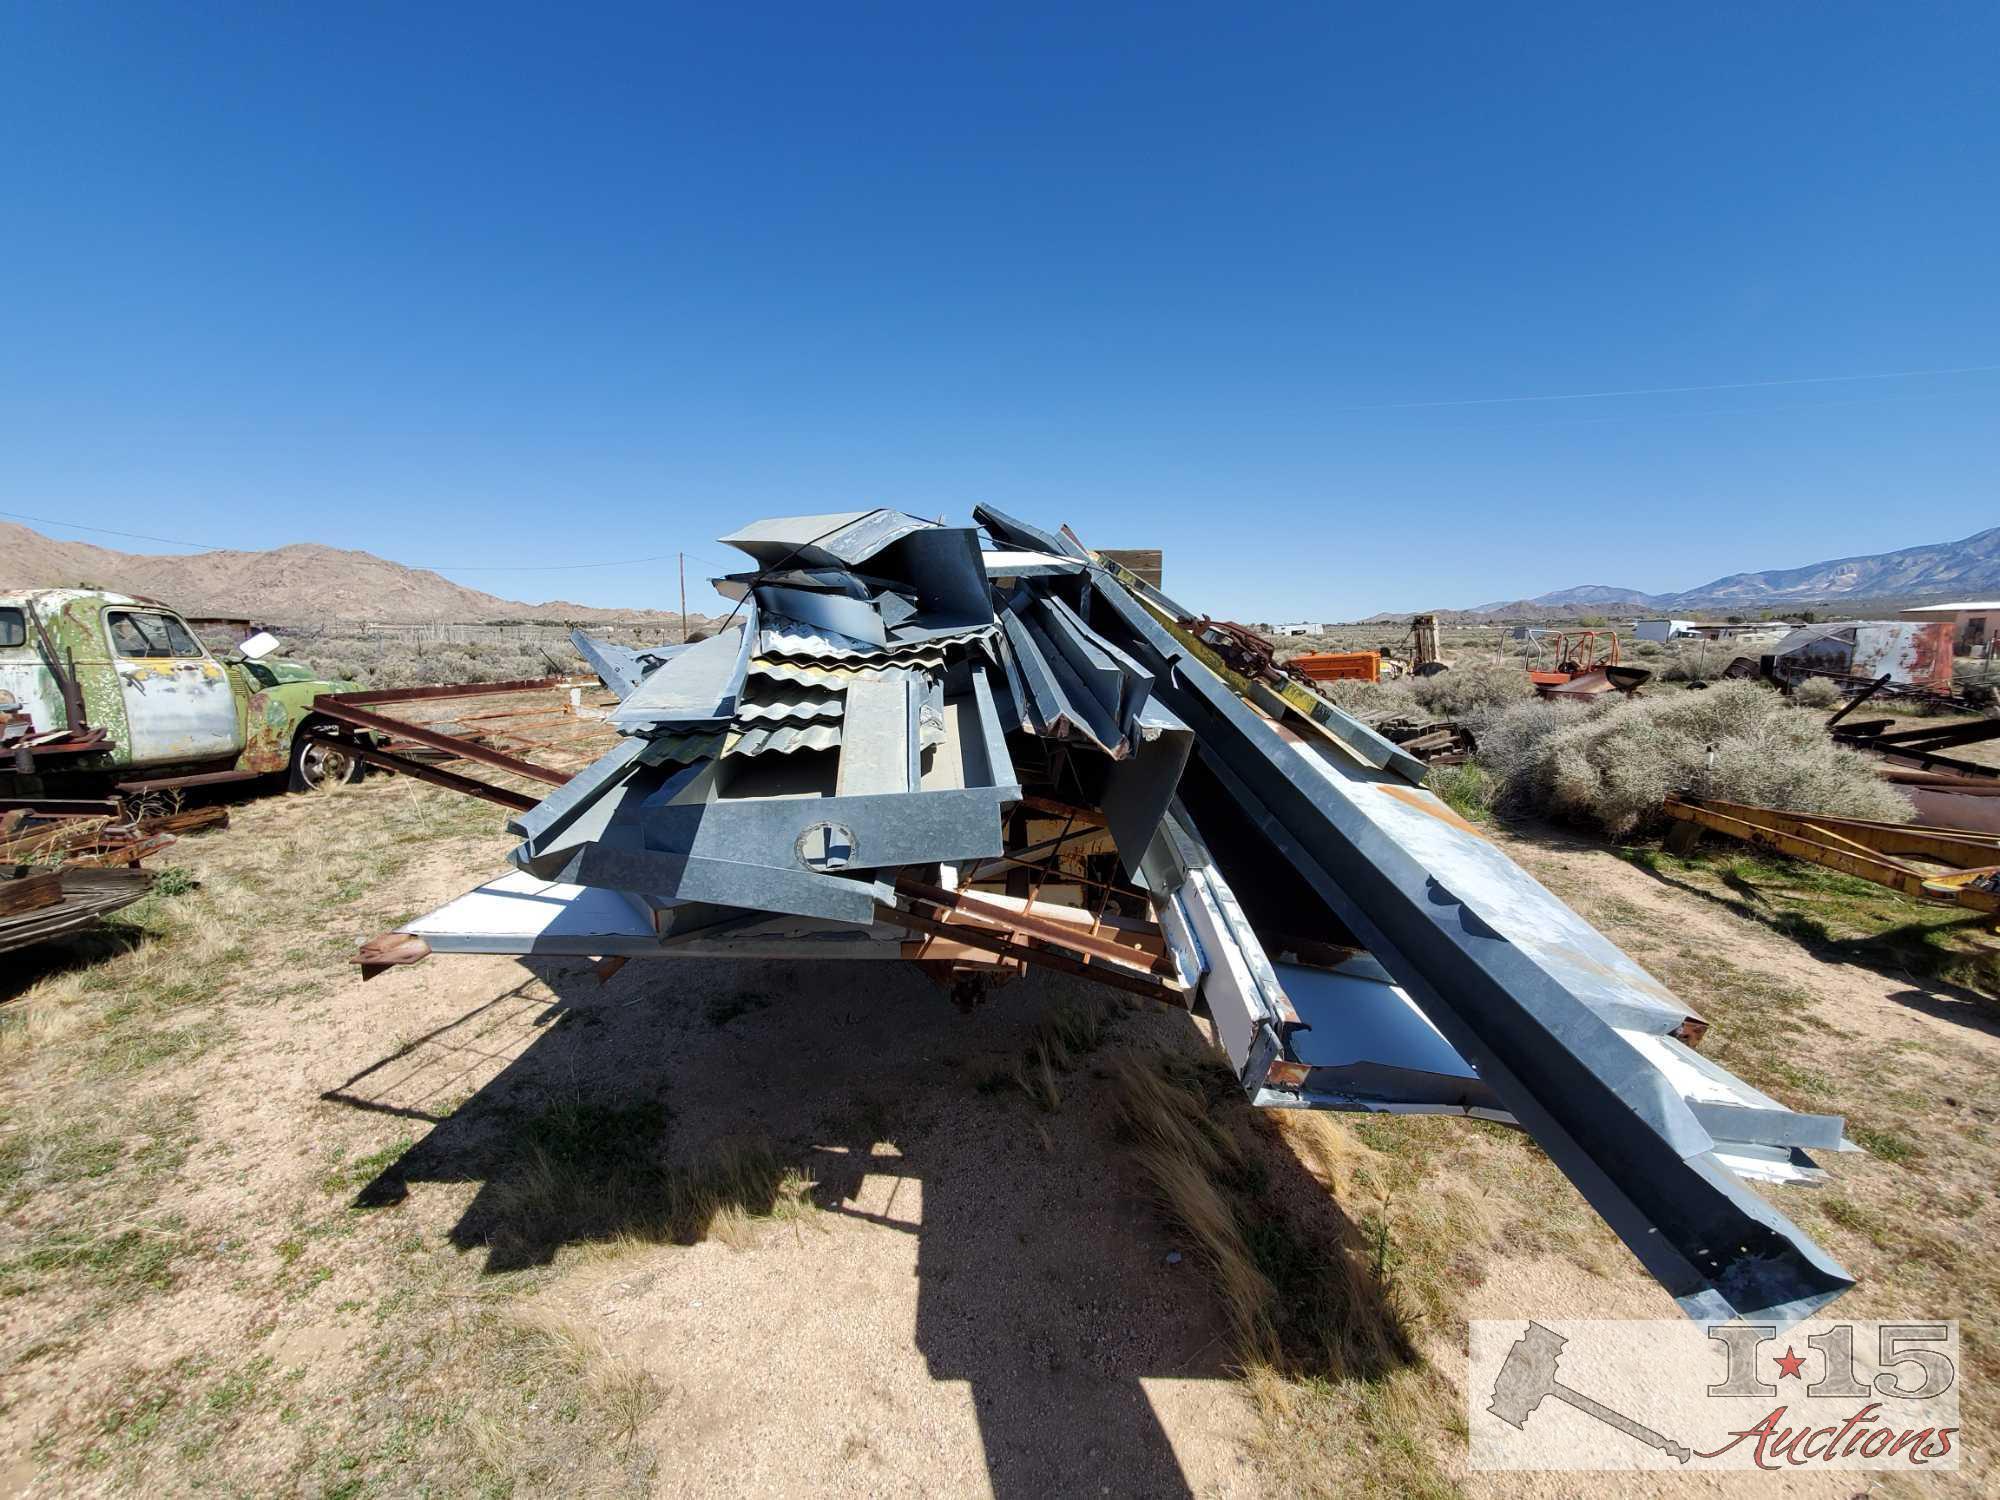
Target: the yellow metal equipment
(1964, 867)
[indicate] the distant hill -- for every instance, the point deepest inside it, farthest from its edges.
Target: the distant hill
(299, 583)
(1966, 568)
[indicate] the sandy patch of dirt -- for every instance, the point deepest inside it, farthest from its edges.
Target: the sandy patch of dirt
(980, 1295)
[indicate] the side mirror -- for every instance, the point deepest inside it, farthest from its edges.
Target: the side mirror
(259, 646)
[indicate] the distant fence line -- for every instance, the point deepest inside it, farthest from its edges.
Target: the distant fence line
(448, 633)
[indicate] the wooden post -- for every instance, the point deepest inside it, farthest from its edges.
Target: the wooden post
(684, 597)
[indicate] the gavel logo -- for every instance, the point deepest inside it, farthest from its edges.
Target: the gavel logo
(1529, 1374)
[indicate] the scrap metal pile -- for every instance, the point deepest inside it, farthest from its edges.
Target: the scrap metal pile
(999, 751)
(66, 865)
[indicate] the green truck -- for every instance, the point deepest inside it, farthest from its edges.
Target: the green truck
(100, 689)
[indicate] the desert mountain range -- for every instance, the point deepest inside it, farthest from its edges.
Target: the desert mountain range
(294, 584)
(1965, 569)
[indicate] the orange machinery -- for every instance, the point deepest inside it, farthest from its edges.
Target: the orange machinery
(1339, 666)
(1586, 666)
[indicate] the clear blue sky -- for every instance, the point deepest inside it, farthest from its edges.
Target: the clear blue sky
(498, 285)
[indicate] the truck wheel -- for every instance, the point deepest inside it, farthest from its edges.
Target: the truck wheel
(316, 765)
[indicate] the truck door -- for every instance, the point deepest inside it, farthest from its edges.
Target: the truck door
(179, 705)
(21, 676)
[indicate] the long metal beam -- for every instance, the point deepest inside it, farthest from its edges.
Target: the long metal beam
(1411, 882)
(451, 781)
(341, 707)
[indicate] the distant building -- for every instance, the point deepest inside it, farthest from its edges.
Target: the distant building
(1663, 630)
(1304, 627)
(1975, 625)
(1747, 631)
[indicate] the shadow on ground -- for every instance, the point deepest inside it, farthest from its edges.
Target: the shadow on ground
(21, 969)
(1043, 1278)
(1901, 953)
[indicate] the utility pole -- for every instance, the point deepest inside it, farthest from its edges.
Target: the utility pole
(684, 596)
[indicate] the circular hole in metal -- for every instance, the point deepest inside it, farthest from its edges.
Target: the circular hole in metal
(826, 846)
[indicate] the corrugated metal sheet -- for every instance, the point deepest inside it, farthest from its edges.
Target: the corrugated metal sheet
(792, 640)
(781, 739)
(793, 702)
(675, 749)
(803, 672)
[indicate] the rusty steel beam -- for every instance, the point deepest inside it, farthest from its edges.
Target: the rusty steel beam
(1050, 930)
(445, 690)
(390, 950)
(335, 706)
(1130, 980)
(1855, 702)
(451, 781)
(1088, 817)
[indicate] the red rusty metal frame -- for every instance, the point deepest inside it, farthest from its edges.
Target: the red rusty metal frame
(389, 951)
(445, 690)
(1085, 940)
(356, 711)
(451, 781)
(1133, 981)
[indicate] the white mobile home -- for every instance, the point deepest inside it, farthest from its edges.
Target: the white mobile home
(1663, 630)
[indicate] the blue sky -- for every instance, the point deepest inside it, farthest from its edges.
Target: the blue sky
(497, 286)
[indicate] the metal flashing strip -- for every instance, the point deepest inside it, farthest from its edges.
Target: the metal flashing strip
(840, 539)
(879, 749)
(1004, 529)
(699, 687)
(622, 668)
(1018, 564)
(851, 619)
(1058, 702)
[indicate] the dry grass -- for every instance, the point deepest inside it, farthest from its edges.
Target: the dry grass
(1839, 917)
(549, 1351)
(116, 1048)
(1913, 1217)
(582, 1171)
(1322, 1330)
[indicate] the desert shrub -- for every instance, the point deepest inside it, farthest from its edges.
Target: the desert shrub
(1371, 700)
(1510, 742)
(1615, 764)
(1471, 692)
(1817, 692)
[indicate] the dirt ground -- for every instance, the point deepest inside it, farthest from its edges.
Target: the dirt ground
(482, 1226)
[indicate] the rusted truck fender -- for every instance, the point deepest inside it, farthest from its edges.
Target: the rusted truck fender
(272, 717)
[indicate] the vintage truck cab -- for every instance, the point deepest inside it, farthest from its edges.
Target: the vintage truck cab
(98, 687)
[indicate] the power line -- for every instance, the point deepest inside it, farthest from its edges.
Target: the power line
(139, 536)
(1671, 390)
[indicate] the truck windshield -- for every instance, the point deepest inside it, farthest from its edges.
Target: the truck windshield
(147, 635)
(13, 627)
